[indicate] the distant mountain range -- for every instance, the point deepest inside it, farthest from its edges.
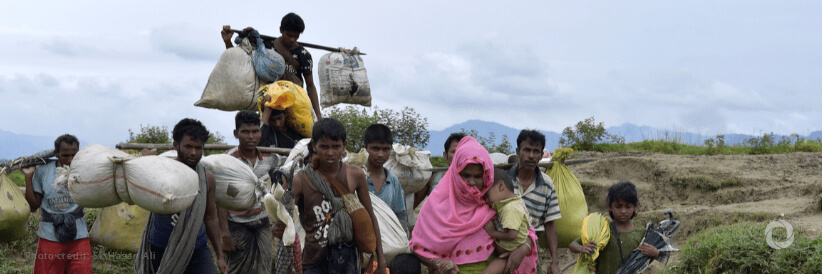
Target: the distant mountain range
(14, 145)
(631, 132)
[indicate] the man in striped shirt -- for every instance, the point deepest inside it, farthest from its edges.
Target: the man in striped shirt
(537, 191)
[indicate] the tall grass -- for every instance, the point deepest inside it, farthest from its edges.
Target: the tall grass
(742, 248)
(671, 144)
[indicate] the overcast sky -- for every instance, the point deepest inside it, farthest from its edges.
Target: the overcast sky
(99, 68)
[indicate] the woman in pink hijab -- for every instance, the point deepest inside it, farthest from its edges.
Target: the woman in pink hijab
(449, 235)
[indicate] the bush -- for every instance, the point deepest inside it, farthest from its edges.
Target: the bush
(408, 127)
(585, 134)
(742, 248)
(160, 135)
(17, 178)
(490, 142)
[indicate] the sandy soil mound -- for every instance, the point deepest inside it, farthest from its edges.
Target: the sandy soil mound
(705, 191)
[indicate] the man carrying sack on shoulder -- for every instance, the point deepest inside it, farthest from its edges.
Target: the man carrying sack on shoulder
(176, 243)
(63, 246)
(336, 222)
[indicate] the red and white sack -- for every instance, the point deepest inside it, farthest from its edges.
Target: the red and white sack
(101, 176)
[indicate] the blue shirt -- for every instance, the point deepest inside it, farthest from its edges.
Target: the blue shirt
(391, 193)
(56, 200)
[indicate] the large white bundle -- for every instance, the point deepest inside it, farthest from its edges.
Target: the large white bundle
(233, 84)
(236, 185)
(394, 238)
(300, 151)
(359, 159)
(157, 184)
(498, 158)
(277, 212)
(343, 79)
(91, 178)
(408, 164)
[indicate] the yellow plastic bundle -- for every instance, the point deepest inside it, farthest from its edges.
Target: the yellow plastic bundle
(119, 227)
(293, 100)
(572, 203)
(14, 210)
(594, 228)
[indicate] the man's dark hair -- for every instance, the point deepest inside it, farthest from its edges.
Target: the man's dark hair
(193, 128)
(65, 138)
(328, 127)
(405, 264)
(457, 136)
(625, 191)
(533, 135)
(246, 117)
(292, 22)
(378, 133)
(500, 174)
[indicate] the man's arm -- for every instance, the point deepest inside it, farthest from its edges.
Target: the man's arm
(228, 241)
(226, 33)
(365, 199)
(505, 235)
(515, 259)
(212, 223)
(34, 199)
(312, 94)
(551, 237)
(420, 195)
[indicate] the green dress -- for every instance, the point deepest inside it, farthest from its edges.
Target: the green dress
(608, 260)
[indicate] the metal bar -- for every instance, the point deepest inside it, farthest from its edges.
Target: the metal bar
(282, 151)
(304, 44)
(549, 165)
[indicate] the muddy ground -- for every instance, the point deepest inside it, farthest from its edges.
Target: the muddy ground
(706, 191)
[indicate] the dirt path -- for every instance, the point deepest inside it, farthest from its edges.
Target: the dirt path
(705, 191)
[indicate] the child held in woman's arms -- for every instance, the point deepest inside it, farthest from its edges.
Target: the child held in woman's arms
(622, 202)
(512, 217)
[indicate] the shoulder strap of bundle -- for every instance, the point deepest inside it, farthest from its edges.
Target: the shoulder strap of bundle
(619, 241)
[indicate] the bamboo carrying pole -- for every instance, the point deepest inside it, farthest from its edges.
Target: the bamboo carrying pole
(282, 151)
(548, 165)
(304, 44)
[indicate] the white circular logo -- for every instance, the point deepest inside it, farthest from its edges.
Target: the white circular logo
(769, 234)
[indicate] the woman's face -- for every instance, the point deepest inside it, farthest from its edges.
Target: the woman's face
(472, 174)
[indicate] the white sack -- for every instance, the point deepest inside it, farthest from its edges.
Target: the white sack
(277, 213)
(407, 164)
(394, 238)
(157, 184)
(236, 185)
(233, 84)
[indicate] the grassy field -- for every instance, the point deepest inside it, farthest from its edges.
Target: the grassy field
(18, 256)
(739, 248)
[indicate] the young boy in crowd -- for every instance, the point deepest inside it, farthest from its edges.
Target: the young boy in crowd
(512, 218)
(448, 154)
(378, 142)
(298, 62)
(621, 201)
(321, 254)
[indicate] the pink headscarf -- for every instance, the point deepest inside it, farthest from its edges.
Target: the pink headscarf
(451, 219)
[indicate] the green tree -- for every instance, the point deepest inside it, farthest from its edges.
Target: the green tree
(585, 134)
(490, 142)
(159, 135)
(408, 127)
(150, 135)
